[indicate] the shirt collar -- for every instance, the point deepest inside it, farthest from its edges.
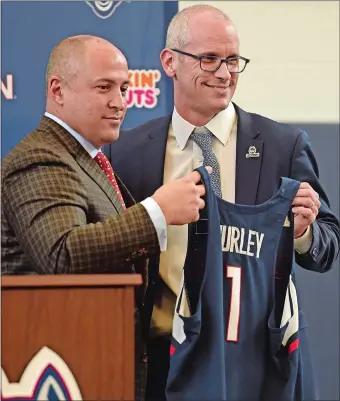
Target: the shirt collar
(90, 149)
(220, 125)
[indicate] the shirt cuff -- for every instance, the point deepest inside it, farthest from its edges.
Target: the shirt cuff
(158, 220)
(303, 244)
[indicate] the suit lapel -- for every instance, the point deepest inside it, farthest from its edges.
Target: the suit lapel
(128, 198)
(247, 167)
(154, 157)
(151, 173)
(85, 161)
(91, 168)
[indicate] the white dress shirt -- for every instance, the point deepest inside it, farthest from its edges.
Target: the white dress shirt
(151, 206)
(183, 155)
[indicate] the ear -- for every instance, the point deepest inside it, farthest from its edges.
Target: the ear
(168, 62)
(55, 89)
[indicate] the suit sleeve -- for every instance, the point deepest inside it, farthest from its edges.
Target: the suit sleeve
(325, 244)
(47, 207)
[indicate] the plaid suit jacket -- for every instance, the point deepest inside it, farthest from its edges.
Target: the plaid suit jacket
(60, 214)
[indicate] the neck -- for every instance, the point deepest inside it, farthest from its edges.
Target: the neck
(194, 116)
(55, 111)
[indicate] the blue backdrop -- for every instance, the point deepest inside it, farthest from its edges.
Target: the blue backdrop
(30, 30)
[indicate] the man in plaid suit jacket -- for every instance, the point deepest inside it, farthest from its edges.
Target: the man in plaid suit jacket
(60, 212)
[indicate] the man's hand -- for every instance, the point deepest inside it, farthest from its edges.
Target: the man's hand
(306, 207)
(180, 200)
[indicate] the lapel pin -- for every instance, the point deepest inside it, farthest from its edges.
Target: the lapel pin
(252, 152)
(286, 222)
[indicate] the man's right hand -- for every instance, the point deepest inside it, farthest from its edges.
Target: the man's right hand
(180, 200)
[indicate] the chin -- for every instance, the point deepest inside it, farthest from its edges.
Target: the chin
(219, 106)
(110, 137)
(115, 136)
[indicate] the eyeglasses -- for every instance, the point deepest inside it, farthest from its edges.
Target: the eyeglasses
(235, 64)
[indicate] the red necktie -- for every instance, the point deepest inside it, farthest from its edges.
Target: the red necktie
(105, 165)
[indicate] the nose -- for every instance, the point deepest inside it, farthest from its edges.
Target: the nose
(223, 72)
(117, 100)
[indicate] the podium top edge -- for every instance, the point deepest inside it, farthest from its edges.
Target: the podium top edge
(71, 280)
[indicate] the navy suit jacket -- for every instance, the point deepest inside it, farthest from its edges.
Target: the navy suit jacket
(138, 158)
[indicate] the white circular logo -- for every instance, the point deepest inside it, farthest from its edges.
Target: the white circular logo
(104, 8)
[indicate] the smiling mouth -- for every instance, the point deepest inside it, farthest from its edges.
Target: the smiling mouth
(217, 86)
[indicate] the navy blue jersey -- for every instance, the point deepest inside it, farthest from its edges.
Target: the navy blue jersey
(242, 339)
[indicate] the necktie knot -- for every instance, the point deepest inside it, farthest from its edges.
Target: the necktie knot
(103, 163)
(203, 137)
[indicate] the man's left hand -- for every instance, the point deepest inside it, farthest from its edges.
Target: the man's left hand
(306, 207)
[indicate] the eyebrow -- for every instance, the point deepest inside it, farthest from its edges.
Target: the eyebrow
(211, 53)
(208, 53)
(111, 81)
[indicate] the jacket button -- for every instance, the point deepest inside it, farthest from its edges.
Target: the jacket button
(144, 358)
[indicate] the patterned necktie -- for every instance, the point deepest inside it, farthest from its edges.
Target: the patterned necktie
(105, 165)
(203, 137)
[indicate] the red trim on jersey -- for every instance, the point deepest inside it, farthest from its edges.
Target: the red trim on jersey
(293, 346)
(172, 349)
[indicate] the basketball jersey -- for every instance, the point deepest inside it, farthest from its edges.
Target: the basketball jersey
(242, 340)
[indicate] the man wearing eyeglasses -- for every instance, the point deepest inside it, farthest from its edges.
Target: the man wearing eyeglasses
(248, 153)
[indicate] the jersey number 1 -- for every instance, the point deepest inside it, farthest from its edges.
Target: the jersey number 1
(234, 273)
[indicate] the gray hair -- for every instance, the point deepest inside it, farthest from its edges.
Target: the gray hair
(177, 33)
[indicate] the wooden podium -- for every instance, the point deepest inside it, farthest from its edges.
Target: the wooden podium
(87, 320)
